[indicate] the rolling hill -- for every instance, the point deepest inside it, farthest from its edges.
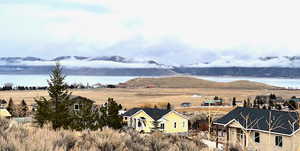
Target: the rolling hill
(191, 82)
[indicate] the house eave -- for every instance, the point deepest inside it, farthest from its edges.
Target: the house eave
(251, 129)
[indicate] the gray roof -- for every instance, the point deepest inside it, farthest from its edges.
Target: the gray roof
(259, 119)
(154, 113)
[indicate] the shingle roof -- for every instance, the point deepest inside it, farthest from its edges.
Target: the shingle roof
(154, 113)
(258, 119)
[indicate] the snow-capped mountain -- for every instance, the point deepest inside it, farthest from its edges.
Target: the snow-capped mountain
(286, 66)
(269, 61)
(81, 61)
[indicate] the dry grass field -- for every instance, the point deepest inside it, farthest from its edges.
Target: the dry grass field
(18, 137)
(133, 97)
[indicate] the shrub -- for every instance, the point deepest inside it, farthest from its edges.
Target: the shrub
(29, 138)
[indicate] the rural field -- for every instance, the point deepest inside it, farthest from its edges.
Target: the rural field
(134, 97)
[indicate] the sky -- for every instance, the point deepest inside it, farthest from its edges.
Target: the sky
(169, 31)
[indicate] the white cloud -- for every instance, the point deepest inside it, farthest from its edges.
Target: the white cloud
(177, 31)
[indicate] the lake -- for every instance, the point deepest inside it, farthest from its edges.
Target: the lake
(41, 80)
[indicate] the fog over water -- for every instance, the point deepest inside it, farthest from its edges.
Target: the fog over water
(41, 80)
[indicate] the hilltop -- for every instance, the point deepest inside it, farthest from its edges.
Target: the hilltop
(191, 82)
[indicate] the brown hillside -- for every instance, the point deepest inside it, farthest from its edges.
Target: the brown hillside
(191, 82)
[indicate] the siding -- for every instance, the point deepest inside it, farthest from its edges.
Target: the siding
(181, 123)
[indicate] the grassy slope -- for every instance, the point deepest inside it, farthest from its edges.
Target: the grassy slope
(190, 82)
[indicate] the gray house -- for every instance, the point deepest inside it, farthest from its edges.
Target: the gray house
(260, 129)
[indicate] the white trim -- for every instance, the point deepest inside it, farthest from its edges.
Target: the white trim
(252, 129)
(141, 110)
(76, 104)
(173, 111)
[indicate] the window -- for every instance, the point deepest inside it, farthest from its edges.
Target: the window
(256, 137)
(139, 124)
(183, 124)
(174, 124)
(162, 126)
(76, 107)
(278, 141)
(240, 134)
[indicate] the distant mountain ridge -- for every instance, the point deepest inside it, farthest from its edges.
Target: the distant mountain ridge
(81, 65)
(268, 61)
(83, 61)
(269, 66)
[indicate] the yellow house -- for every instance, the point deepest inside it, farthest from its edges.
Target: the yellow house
(145, 119)
(4, 113)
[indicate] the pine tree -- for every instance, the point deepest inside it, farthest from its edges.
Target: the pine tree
(245, 103)
(11, 108)
(110, 114)
(169, 106)
(234, 101)
(24, 108)
(57, 112)
(85, 118)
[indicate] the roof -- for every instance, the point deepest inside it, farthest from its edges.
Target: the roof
(259, 119)
(80, 98)
(4, 113)
(154, 113)
(213, 101)
(295, 99)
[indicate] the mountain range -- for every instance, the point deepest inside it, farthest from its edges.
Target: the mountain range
(270, 66)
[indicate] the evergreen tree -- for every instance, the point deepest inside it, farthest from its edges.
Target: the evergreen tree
(11, 108)
(248, 102)
(169, 106)
(110, 114)
(57, 113)
(85, 118)
(245, 103)
(43, 113)
(234, 101)
(23, 108)
(115, 120)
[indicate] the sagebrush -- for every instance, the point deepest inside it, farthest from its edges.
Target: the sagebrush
(15, 137)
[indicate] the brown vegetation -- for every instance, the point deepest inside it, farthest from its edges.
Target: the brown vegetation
(190, 82)
(15, 137)
(133, 97)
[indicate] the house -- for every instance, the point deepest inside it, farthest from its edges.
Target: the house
(4, 113)
(144, 119)
(212, 103)
(78, 102)
(2, 103)
(185, 104)
(296, 101)
(260, 129)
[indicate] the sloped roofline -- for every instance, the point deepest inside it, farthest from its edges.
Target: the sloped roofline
(173, 111)
(141, 110)
(253, 129)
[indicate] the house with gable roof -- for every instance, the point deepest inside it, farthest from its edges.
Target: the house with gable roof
(169, 121)
(260, 129)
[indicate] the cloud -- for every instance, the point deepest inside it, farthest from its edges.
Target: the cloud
(170, 31)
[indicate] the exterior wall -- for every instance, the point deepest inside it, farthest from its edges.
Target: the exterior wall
(181, 123)
(168, 121)
(149, 122)
(267, 142)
